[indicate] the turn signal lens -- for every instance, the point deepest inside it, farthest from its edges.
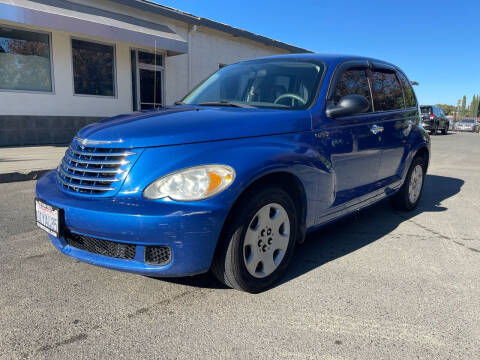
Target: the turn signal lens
(196, 183)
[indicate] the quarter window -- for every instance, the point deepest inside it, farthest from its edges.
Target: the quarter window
(352, 81)
(24, 60)
(93, 68)
(388, 94)
(407, 91)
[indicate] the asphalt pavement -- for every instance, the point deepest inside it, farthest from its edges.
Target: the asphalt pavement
(379, 285)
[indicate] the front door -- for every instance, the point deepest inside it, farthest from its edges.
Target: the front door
(147, 74)
(351, 143)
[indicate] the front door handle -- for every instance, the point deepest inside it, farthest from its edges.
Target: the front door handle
(375, 129)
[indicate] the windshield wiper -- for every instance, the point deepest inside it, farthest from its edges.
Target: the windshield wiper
(178, 103)
(226, 103)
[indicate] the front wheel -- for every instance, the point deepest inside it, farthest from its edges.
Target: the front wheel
(258, 241)
(408, 196)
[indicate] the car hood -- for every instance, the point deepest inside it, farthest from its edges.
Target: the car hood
(183, 125)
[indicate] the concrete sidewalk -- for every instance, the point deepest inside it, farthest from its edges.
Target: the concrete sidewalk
(28, 162)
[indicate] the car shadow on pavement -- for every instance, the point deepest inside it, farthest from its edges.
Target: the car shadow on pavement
(350, 233)
(365, 227)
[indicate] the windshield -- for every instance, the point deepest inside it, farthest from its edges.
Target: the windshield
(425, 109)
(283, 84)
(467, 121)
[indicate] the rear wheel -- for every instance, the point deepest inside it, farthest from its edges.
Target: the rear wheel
(408, 196)
(258, 241)
(445, 131)
(434, 129)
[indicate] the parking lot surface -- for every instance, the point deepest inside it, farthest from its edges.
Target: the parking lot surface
(381, 284)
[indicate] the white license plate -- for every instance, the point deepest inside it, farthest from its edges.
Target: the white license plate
(48, 217)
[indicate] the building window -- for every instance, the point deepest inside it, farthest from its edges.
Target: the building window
(25, 60)
(93, 68)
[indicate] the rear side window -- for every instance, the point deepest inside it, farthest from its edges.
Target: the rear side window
(352, 81)
(388, 94)
(407, 91)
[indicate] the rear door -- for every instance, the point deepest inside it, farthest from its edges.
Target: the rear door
(354, 151)
(395, 117)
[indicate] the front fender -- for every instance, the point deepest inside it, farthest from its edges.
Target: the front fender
(252, 158)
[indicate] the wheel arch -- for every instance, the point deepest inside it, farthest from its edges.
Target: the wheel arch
(424, 152)
(288, 182)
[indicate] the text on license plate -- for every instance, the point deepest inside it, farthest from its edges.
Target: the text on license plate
(47, 217)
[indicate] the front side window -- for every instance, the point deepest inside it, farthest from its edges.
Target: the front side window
(93, 68)
(388, 94)
(407, 91)
(280, 84)
(24, 60)
(353, 81)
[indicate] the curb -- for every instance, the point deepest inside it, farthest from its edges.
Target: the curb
(19, 176)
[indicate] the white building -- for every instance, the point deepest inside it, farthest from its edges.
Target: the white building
(64, 64)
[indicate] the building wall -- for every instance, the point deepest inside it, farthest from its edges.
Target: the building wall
(207, 49)
(62, 102)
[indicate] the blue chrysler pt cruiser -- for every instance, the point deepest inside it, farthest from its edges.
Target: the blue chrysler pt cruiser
(234, 175)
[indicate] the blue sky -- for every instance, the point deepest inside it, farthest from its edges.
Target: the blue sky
(435, 42)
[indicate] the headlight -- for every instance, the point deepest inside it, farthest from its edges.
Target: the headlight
(196, 183)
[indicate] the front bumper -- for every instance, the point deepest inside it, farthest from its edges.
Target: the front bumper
(191, 230)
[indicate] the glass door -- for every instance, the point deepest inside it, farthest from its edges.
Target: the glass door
(148, 80)
(150, 89)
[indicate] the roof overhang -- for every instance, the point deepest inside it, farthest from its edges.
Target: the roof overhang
(155, 8)
(90, 21)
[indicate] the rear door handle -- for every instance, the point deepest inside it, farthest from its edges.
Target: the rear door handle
(375, 129)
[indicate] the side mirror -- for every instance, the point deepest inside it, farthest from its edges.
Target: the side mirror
(348, 105)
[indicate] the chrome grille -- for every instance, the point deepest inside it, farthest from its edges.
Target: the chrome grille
(93, 170)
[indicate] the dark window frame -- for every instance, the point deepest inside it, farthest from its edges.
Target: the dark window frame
(114, 68)
(50, 54)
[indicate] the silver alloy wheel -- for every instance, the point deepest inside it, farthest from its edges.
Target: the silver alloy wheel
(266, 240)
(415, 186)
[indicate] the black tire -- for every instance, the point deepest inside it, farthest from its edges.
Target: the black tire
(445, 131)
(434, 129)
(401, 200)
(228, 264)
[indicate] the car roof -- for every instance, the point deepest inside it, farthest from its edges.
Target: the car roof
(325, 58)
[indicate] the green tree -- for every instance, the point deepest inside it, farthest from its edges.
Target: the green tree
(474, 109)
(464, 105)
(476, 105)
(447, 109)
